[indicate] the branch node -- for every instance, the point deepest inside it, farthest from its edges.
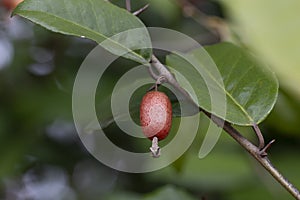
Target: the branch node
(161, 79)
(263, 151)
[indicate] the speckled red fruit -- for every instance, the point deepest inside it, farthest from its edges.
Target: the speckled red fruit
(156, 115)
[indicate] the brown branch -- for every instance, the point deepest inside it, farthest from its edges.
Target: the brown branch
(258, 153)
(163, 71)
(139, 11)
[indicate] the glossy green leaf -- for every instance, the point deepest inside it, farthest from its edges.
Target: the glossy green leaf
(250, 88)
(97, 20)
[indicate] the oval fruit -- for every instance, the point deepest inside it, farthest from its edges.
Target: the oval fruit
(156, 115)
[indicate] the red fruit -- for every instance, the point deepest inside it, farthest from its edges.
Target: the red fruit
(10, 4)
(156, 115)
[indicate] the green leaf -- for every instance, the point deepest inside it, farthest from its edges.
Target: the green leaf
(97, 20)
(250, 88)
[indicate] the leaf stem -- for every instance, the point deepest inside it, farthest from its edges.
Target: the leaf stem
(259, 135)
(256, 152)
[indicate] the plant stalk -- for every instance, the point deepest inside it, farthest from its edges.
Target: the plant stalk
(254, 151)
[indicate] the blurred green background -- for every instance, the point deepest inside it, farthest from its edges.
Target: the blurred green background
(41, 156)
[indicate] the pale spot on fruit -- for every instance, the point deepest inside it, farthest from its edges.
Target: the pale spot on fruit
(156, 115)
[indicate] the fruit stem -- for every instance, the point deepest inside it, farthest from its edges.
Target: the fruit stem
(160, 80)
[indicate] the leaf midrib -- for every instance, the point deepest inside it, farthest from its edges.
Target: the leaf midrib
(75, 24)
(228, 94)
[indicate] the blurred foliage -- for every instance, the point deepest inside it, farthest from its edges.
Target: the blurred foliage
(272, 31)
(41, 156)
